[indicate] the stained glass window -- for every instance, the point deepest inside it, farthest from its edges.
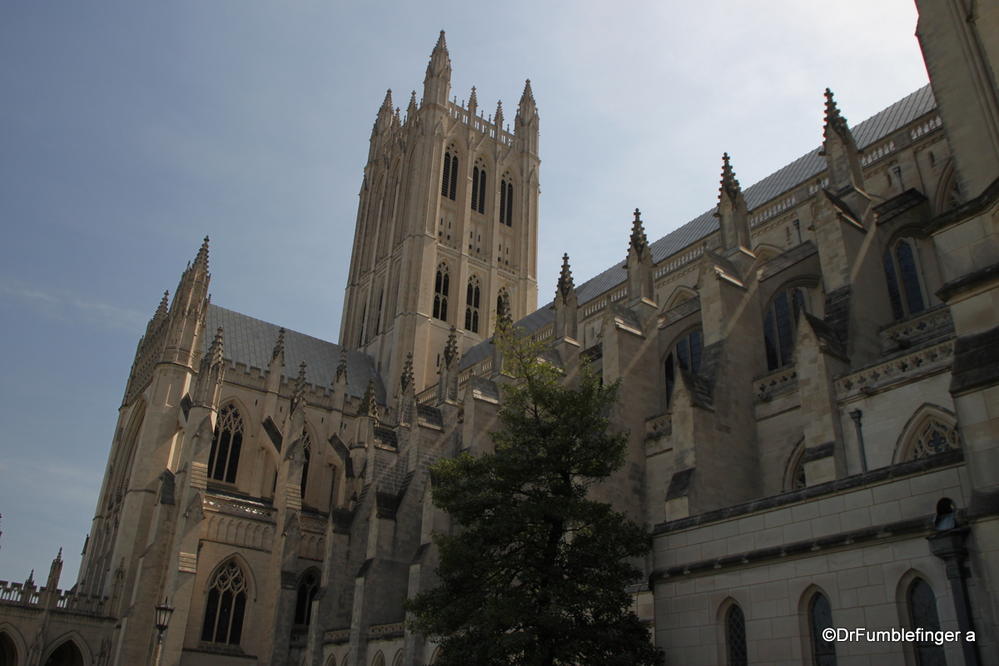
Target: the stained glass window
(902, 274)
(735, 636)
(780, 325)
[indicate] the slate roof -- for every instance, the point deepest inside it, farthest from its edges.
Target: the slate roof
(809, 165)
(251, 341)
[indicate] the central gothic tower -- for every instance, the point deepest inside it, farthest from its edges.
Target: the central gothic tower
(447, 226)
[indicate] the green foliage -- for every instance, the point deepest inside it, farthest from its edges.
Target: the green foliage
(536, 571)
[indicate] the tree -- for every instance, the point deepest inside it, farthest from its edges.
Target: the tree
(536, 572)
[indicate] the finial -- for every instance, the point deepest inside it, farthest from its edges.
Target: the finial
(729, 183)
(441, 43)
(451, 347)
(387, 102)
(565, 284)
(59, 555)
(278, 345)
(498, 116)
(473, 101)
(638, 240)
(406, 380)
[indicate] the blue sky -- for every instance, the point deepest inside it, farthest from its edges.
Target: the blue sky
(129, 130)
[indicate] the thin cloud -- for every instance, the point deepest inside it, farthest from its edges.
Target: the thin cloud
(66, 306)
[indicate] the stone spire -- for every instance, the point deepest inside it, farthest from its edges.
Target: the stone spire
(163, 308)
(565, 283)
(211, 373)
(411, 109)
(406, 378)
(733, 213)
(526, 123)
(451, 347)
(278, 351)
(385, 114)
(637, 242)
(473, 103)
(201, 260)
(498, 118)
(341, 367)
(298, 394)
(840, 149)
(437, 82)
(369, 406)
(639, 262)
(566, 305)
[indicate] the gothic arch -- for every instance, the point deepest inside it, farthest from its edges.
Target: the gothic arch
(905, 585)
(729, 644)
(332, 660)
(679, 295)
(12, 645)
(229, 443)
(122, 465)
(378, 659)
(398, 658)
(306, 590)
(815, 614)
(931, 429)
(69, 649)
(948, 193)
(794, 469)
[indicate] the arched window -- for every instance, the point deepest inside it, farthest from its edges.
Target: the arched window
(794, 473)
(8, 650)
(379, 660)
(735, 636)
(472, 294)
(306, 459)
(479, 188)
(685, 356)
(398, 659)
(224, 458)
(506, 201)
(67, 654)
(307, 589)
(819, 619)
(225, 606)
(930, 430)
(449, 177)
(922, 605)
(441, 286)
(780, 324)
(905, 288)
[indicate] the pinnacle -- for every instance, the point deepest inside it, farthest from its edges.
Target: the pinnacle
(451, 348)
(202, 258)
(638, 238)
(163, 307)
(215, 351)
(406, 380)
(441, 42)
(341, 366)
(528, 93)
(729, 182)
(473, 101)
(387, 102)
(833, 117)
(368, 405)
(278, 345)
(565, 283)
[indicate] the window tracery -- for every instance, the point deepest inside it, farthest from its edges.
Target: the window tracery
(472, 296)
(308, 587)
(820, 619)
(223, 461)
(225, 606)
(780, 325)
(735, 636)
(902, 273)
(449, 176)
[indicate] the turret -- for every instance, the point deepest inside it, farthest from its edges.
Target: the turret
(840, 150)
(187, 312)
(437, 82)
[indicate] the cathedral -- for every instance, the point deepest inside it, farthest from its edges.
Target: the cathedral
(809, 381)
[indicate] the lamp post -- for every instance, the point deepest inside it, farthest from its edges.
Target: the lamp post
(163, 613)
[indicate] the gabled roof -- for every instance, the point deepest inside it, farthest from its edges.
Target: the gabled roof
(250, 341)
(806, 167)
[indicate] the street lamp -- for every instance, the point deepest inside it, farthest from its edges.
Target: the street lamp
(163, 613)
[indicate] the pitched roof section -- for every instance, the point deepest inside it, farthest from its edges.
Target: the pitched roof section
(807, 166)
(250, 341)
